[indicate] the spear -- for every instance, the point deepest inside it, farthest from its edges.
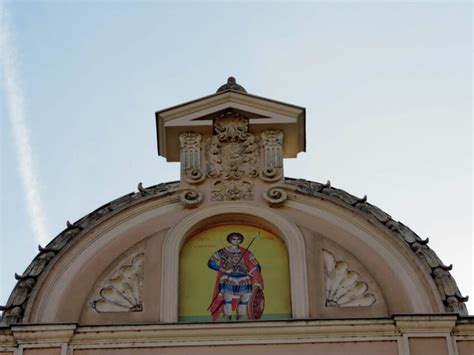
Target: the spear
(233, 268)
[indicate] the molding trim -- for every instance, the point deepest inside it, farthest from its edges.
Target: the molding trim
(178, 235)
(73, 337)
(38, 334)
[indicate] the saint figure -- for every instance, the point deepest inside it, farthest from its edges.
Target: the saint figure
(238, 278)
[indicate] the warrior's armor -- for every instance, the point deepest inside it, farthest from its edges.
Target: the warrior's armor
(238, 272)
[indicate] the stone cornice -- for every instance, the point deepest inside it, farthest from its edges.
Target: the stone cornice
(259, 332)
(55, 333)
(422, 324)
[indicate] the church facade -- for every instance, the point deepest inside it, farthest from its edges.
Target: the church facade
(236, 257)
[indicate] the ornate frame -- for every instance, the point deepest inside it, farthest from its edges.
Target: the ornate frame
(252, 213)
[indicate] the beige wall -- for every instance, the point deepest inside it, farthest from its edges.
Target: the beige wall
(466, 347)
(353, 348)
(38, 351)
(432, 346)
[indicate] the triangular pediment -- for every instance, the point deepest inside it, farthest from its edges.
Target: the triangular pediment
(198, 116)
(242, 113)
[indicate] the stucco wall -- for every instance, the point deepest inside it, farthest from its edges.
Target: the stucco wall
(354, 348)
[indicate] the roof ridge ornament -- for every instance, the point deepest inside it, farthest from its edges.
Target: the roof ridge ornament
(231, 85)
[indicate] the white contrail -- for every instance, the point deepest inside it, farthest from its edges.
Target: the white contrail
(16, 115)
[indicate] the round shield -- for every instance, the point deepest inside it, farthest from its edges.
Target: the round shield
(256, 304)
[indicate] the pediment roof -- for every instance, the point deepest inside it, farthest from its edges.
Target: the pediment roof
(198, 116)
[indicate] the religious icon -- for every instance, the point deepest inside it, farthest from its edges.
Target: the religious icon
(222, 272)
(239, 281)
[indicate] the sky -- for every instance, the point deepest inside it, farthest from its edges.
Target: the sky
(387, 89)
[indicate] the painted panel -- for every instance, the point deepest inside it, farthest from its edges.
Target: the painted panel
(234, 272)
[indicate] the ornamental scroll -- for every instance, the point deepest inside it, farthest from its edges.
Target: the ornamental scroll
(272, 155)
(190, 144)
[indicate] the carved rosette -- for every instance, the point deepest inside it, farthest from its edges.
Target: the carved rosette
(275, 196)
(190, 144)
(272, 144)
(342, 286)
(229, 190)
(190, 198)
(123, 292)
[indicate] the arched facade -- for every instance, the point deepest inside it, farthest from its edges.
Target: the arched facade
(109, 283)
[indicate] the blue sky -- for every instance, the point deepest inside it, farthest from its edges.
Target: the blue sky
(387, 87)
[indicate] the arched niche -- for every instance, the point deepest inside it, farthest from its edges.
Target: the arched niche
(257, 256)
(233, 212)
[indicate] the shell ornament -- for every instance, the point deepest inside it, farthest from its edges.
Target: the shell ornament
(123, 291)
(342, 286)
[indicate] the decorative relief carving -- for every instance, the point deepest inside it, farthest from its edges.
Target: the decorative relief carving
(342, 287)
(275, 196)
(272, 141)
(190, 198)
(190, 143)
(124, 290)
(214, 158)
(232, 154)
(231, 190)
(231, 127)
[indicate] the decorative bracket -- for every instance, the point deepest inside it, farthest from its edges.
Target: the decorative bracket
(190, 198)
(275, 196)
(272, 169)
(190, 144)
